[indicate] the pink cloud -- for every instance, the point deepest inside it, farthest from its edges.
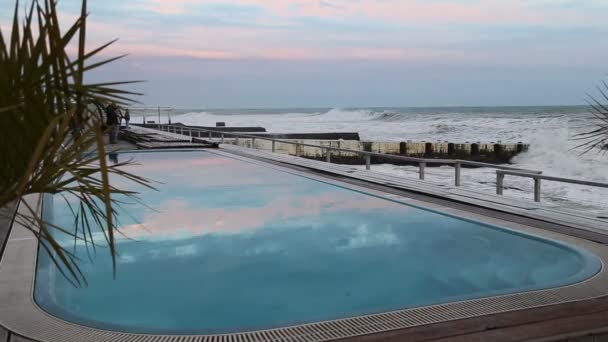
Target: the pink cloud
(170, 7)
(277, 35)
(495, 12)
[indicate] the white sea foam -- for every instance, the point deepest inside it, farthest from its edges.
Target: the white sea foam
(549, 131)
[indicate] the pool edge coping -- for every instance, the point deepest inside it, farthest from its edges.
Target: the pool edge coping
(20, 314)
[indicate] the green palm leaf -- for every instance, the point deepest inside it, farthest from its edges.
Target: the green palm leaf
(596, 138)
(51, 133)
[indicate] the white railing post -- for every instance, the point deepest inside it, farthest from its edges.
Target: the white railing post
(237, 141)
(421, 166)
(222, 139)
(252, 142)
(209, 134)
(368, 162)
(500, 177)
(328, 155)
(457, 173)
(273, 146)
(297, 150)
(536, 189)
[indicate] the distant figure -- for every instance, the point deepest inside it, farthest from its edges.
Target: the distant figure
(113, 157)
(119, 114)
(127, 118)
(112, 121)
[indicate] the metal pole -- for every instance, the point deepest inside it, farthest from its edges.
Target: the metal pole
(237, 140)
(328, 156)
(159, 115)
(297, 150)
(368, 162)
(273, 146)
(421, 166)
(536, 189)
(222, 141)
(209, 134)
(499, 182)
(457, 175)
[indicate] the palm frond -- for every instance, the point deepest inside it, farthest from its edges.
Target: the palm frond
(596, 139)
(51, 133)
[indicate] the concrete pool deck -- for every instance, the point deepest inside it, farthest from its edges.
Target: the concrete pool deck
(467, 320)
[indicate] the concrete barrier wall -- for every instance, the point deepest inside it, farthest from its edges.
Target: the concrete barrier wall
(491, 153)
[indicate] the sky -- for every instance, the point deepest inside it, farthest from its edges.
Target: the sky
(349, 53)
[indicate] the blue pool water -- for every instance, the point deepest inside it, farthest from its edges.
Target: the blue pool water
(228, 246)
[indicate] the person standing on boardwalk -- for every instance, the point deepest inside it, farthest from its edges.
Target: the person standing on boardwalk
(112, 121)
(127, 117)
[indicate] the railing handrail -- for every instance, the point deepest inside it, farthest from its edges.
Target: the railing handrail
(553, 178)
(365, 153)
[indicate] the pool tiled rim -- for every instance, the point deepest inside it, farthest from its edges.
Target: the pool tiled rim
(20, 314)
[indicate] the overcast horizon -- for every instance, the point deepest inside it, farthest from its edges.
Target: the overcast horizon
(337, 54)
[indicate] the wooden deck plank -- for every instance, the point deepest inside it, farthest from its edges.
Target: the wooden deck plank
(524, 325)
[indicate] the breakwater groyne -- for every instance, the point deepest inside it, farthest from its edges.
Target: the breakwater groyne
(257, 137)
(481, 152)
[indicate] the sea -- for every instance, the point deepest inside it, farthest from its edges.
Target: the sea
(550, 131)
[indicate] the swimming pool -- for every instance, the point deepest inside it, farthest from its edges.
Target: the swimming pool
(230, 246)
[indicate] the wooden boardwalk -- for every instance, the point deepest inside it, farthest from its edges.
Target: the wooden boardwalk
(539, 211)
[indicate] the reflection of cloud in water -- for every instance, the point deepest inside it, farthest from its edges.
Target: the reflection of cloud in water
(207, 170)
(362, 237)
(125, 259)
(268, 248)
(178, 161)
(178, 220)
(186, 250)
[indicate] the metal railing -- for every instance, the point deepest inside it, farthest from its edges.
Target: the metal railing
(500, 176)
(151, 112)
(422, 162)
